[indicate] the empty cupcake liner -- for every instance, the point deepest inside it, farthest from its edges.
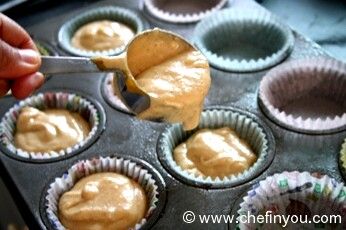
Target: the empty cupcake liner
(128, 17)
(294, 193)
(182, 11)
(90, 110)
(342, 160)
(138, 170)
(246, 125)
(109, 95)
(243, 40)
(306, 95)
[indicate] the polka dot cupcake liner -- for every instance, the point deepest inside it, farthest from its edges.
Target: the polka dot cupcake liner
(187, 11)
(243, 40)
(91, 111)
(306, 96)
(138, 170)
(295, 193)
(247, 126)
(125, 16)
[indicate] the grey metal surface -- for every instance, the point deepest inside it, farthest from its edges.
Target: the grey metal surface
(54, 65)
(127, 135)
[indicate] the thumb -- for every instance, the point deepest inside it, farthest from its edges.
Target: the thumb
(15, 62)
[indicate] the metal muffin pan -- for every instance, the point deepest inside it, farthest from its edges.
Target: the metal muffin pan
(127, 136)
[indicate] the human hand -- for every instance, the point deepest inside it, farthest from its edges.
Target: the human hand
(19, 60)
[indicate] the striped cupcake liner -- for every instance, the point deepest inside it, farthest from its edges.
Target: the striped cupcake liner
(306, 96)
(110, 96)
(91, 111)
(243, 40)
(294, 193)
(196, 9)
(246, 125)
(138, 170)
(128, 17)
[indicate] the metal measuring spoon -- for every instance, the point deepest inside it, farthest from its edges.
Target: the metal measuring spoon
(143, 51)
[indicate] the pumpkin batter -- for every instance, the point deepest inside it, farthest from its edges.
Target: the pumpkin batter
(49, 130)
(174, 75)
(102, 35)
(214, 153)
(103, 201)
(177, 88)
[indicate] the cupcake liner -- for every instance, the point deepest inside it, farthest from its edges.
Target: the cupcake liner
(139, 171)
(182, 12)
(342, 160)
(306, 95)
(90, 110)
(128, 17)
(294, 193)
(109, 95)
(246, 125)
(243, 40)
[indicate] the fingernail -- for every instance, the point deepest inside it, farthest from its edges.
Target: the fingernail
(29, 56)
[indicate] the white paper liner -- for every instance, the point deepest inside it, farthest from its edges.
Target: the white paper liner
(244, 126)
(126, 16)
(41, 101)
(312, 195)
(322, 81)
(103, 164)
(243, 40)
(153, 7)
(109, 94)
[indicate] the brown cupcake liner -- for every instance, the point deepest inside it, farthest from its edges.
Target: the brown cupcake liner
(306, 95)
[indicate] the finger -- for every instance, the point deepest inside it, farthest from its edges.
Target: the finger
(14, 34)
(25, 86)
(17, 62)
(4, 87)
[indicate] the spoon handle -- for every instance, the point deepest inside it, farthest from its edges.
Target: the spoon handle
(52, 65)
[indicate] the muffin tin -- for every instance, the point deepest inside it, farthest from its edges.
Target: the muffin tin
(125, 136)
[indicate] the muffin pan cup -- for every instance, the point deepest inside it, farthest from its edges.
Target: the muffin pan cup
(238, 40)
(29, 182)
(247, 127)
(89, 109)
(293, 193)
(141, 172)
(187, 11)
(288, 91)
(125, 16)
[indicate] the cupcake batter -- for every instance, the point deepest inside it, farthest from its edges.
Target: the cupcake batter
(102, 35)
(49, 130)
(177, 88)
(103, 201)
(214, 153)
(174, 75)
